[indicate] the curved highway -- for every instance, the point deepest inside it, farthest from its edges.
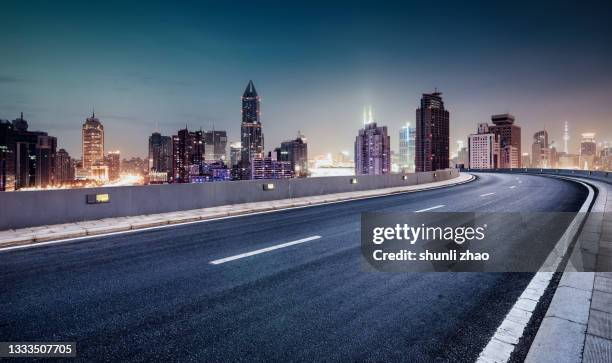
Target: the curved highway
(154, 295)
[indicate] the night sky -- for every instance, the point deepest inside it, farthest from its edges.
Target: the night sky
(315, 65)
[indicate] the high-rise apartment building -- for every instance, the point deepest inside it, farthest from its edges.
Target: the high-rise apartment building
(483, 149)
(25, 154)
(64, 167)
(509, 139)
(372, 149)
(187, 155)
(588, 151)
(432, 134)
(113, 161)
(181, 156)
(46, 147)
(7, 156)
(269, 167)
(296, 152)
(160, 156)
(33, 156)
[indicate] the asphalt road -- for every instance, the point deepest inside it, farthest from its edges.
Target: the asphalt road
(155, 296)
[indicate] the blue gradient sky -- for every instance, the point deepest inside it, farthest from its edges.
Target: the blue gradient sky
(315, 64)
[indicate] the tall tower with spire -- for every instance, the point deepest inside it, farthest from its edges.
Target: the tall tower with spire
(92, 142)
(252, 137)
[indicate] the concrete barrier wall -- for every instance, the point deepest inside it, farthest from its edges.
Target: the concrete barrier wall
(604, 176)
(35, 208)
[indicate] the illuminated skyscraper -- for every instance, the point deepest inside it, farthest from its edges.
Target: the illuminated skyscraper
(187, 155)
(406, 147)
(45, 159)
(432, 134)
(251, 130)
(34, 153)
(92, 143)
(160, 153)
(372, 149)
(7, 156)
(295, 152)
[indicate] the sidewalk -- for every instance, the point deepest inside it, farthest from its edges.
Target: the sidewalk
(30, 235)
(578, 324)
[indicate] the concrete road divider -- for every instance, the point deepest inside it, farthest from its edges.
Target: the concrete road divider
(63, 231)
(24, 209)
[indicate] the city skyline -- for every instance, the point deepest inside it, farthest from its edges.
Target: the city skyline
(137, 76)
(222, 181)
(574, 136)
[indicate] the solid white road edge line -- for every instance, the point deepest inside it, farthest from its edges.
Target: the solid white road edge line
(263, 250)
(507, 335)
(73, 239)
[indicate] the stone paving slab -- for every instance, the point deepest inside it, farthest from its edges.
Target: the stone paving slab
(597, 350)
(604, 274)
(603, 284)
(570, 304)
(600, 324)
(557, 341)
(602, 301)
(578, 280)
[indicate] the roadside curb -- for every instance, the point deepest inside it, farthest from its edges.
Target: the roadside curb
(509, 334)
(580, 313)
